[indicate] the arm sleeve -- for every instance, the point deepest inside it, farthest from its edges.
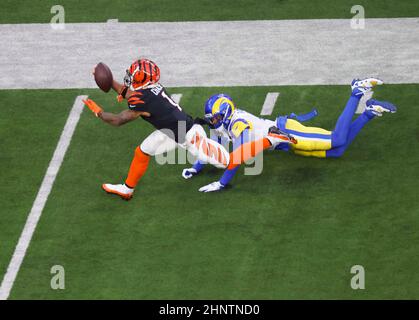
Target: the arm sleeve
(137, 102)
(198, 166)
(229, 173)
(214, 136)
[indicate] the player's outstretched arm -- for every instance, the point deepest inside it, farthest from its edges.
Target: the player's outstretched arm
(111, 118)
(116, 86)
(123, 91)
(120, 118)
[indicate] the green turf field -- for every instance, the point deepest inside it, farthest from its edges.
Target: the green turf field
(24, 11)
(292, 232)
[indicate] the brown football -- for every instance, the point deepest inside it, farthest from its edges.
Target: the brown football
(103, 77)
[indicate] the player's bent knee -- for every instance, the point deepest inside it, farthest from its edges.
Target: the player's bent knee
(142, 151)
(147, 149)
(338, 139)
(335, 153)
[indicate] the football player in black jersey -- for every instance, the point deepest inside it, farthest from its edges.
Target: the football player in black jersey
(148, 99)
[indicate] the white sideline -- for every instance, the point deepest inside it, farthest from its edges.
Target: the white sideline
(176, 97)
(363, 102)
(41, 198)
(212, 53)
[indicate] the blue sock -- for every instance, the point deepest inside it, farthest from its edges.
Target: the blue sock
(341, 131)
(198, 166)
(354, 129)
(228, 175)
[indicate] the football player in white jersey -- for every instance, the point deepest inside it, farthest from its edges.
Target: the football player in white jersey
(240, 126)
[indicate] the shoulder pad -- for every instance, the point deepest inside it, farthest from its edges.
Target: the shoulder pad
(238, 126)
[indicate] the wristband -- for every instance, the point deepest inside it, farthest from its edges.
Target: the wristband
(122, 93)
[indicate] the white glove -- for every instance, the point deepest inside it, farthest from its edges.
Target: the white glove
(215, 186)
(189, 173)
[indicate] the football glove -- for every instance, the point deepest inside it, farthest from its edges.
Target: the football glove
(203, 122)
(96, 109)
(215, 186)
(189, 173)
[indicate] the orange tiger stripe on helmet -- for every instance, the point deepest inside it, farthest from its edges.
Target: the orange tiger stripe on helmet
(151, 70)
(147, 70)
(144, 72)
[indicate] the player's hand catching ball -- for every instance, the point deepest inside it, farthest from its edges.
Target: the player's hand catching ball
(215, 186)
(95, 108)
(189, 173)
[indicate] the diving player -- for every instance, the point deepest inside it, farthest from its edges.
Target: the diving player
(238, 125)
(148, 99)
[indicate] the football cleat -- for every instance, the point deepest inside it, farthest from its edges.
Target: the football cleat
(359, 87)
(119, 189)
(277, 136)
(377, 108)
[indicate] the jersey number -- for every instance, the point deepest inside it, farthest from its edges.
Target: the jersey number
(171, 100)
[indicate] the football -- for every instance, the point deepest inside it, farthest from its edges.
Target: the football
(103, 76)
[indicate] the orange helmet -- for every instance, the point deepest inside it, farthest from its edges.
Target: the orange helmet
(142, 73)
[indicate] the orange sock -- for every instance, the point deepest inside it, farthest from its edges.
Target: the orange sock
(138, 167)
(247, 151)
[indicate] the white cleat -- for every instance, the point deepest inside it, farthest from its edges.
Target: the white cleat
(377, 108)
(359, 87)
(119, 189)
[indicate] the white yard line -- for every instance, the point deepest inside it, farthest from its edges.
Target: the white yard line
(212, 53)
(176, 97)
(41, 199)
(269, 104)
(363, 102)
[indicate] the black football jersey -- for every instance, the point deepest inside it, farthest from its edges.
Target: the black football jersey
(165, 113)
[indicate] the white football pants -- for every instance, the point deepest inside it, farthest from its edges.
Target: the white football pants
(196, 142)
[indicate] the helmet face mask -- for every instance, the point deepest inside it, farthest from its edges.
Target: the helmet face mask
(215, 120)
(218, 110)
(127, 79)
